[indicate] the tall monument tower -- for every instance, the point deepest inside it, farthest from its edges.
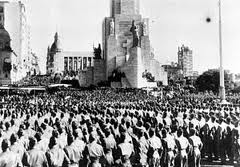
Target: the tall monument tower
(118, 47)
(124, 7)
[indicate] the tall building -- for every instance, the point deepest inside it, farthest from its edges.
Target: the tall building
(185, 60)
(14, 17)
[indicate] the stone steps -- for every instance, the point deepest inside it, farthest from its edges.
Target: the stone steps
(216, 164)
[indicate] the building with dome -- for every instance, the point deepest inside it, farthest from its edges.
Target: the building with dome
(60, 61)
(8, 59)
(14, 18)
(83, 66)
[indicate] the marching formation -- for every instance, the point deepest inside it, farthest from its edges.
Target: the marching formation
(116, 128)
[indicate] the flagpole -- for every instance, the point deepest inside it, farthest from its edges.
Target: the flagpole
(221, 69)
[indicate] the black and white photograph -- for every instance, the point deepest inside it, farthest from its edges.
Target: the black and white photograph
(119, 83)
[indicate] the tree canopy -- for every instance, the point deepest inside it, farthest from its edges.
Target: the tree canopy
(210, 81)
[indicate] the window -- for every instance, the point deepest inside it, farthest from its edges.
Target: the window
(118, 8)
(1, 20)
(84, 62)
(65, 64)
(89, 62)
(75, 64)
(70, 64)
(80, 63)
(1, 9)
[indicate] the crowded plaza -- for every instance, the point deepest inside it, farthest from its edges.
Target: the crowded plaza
(155, 92)
(108, 127)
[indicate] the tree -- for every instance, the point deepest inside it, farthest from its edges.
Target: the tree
(210, 81)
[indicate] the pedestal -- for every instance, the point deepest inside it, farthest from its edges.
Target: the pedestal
(134, 69)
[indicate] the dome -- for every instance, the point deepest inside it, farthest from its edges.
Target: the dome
(4, 35)
(56, 47)
(4, 39)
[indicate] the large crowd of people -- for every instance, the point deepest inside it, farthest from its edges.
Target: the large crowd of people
(37, 80)
(116, 128)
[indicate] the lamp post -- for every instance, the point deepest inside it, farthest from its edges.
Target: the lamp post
(221, 69)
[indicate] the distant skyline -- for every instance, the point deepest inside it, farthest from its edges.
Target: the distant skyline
(173, 23)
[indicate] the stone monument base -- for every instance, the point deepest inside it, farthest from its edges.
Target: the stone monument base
(134, 69)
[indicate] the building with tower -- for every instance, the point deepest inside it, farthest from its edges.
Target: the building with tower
(8, 59)
(65, 62)
(185, 60)
(14, 18)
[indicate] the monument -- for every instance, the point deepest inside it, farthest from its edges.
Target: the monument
(134, 30)
(126, 44)
(126, 58)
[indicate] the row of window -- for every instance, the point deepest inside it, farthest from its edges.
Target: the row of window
(76, 64)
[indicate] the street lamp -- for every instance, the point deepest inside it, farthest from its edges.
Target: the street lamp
(221, 69)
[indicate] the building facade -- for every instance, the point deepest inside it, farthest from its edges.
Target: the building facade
(8, 59)
(174, 72)
(185, 60)
(14, 17)
(59, 61)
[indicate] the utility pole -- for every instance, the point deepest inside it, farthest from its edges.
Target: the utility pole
(221, 69)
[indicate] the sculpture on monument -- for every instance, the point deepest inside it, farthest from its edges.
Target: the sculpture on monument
(97, 52)
(145, 28)
(134, 30)
(112, 27)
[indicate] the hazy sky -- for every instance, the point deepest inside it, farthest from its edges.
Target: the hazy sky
(174, 22)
